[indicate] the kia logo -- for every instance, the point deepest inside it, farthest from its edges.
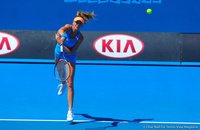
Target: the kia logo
(8, 43)
(118, 46)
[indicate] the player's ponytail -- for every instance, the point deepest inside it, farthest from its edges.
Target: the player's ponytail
(85, 15)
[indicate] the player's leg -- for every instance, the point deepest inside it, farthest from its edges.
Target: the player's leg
(70, 85)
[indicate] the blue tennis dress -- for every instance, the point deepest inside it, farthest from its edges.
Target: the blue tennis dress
(69, 43)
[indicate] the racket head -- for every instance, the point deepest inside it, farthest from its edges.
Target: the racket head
(62, 70)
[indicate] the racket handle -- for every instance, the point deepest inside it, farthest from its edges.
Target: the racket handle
(61, 48)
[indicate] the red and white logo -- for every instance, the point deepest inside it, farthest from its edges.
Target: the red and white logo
(118, 46)
(8, 43)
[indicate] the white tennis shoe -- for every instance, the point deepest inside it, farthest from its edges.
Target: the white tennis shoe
(62, 88)
(70, 116)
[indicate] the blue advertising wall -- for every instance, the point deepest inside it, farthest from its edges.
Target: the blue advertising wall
(170, 34)
(112, 15)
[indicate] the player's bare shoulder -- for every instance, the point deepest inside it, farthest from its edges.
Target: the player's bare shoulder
(67, 27)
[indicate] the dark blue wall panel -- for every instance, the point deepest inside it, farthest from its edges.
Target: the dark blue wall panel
(113, 15)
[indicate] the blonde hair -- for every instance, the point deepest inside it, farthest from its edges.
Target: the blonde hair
(85, 15)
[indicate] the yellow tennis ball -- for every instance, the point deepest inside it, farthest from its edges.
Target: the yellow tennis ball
(149, 11)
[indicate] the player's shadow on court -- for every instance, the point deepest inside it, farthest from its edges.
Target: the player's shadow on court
(114, 122)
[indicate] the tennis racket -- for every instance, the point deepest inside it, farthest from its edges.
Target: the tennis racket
(62, 68)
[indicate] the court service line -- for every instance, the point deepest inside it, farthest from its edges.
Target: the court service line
(143, 122)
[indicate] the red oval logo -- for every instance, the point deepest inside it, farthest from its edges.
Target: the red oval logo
(118, 46)
(8, 43)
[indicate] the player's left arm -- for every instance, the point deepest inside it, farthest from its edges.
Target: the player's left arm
(60, 32)
(75, 47)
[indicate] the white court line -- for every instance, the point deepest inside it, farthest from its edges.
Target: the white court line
(143, 122)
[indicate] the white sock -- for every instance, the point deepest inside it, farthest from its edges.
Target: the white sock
(70, 111)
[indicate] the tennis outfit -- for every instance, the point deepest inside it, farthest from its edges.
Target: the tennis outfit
(69, 43)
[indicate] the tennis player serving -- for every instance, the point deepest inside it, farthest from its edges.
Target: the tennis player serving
(70, 38)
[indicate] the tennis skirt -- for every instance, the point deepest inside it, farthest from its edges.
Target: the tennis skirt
(70, 58)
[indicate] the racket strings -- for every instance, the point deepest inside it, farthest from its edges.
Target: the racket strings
(61, 70)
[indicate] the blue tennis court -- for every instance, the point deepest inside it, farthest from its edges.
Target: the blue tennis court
(113, 97)
(135, 70)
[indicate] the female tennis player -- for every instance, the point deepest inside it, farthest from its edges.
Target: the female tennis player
(71, 38)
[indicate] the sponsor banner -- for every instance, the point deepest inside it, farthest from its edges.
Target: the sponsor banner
(191, 47)
(27, 44)
(8, 43)
(104, 46)
(130, 46)
(119, 46)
